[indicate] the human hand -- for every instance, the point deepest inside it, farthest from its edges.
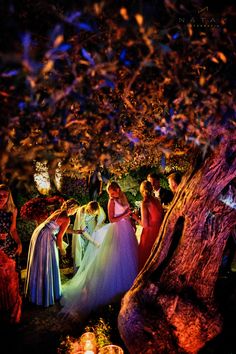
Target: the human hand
(134, 216)
(79, 232)
(97, 244)
(136, 211)
(128, 212)
(63, 252)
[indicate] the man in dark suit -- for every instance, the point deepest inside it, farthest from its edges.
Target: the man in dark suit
(164, 195)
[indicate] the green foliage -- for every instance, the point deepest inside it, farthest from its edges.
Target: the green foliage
(132, 93)
(25, 229)
(140, 174)
(129, 184)
(103, 200)
(103, 324)
(72, 187)
(132, 199)
(164, 182)
(181, 164)
(66, 345)
(102, 330)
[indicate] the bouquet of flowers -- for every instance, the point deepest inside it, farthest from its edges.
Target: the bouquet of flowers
(39, 208)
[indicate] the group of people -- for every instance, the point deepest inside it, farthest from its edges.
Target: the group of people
(107, 256)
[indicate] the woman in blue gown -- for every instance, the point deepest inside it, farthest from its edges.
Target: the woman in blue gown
(43, 282)
(114, 266)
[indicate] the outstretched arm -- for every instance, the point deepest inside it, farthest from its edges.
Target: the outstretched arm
(63, 228)
(14, 233)
(89, 238)
(71, 231)
(144, 221)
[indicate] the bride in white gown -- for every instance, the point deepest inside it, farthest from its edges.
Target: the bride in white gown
(114, 267)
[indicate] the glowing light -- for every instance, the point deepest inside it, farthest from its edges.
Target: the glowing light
(41, 177)
(88, 343)
(58, 177)
(111, 349)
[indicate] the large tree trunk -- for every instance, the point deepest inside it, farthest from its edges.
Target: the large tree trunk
(171, 306)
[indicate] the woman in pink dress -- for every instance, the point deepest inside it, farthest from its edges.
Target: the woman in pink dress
(151, 219)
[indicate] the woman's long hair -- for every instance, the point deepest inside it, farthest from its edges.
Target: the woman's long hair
(69, 204)
(10, 205)
(146, 189)
(114, 186)
(66, 205)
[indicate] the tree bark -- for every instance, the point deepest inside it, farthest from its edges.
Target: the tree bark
(171, 307)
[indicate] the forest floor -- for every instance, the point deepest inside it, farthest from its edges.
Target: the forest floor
(41, 329)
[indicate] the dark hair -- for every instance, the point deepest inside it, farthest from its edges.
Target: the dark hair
(176, 177)
(113, 186)
(93, 206)
(154, 175)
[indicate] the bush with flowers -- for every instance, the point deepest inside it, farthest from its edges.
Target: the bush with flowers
(74, 187)
(39, 208)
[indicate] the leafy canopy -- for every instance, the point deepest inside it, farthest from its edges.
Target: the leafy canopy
(136, 84)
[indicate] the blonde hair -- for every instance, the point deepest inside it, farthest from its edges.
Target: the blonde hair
(146, 188)
(114, 186)
(175, 176)
(69, 204)
(10, 205)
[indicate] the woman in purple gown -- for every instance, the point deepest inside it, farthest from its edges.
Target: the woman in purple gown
(43, 282)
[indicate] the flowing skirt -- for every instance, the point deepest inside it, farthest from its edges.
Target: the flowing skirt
(105, 277)
(43, 282)
(147, 240)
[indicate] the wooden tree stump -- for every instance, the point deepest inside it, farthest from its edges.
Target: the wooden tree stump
(171, 306)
